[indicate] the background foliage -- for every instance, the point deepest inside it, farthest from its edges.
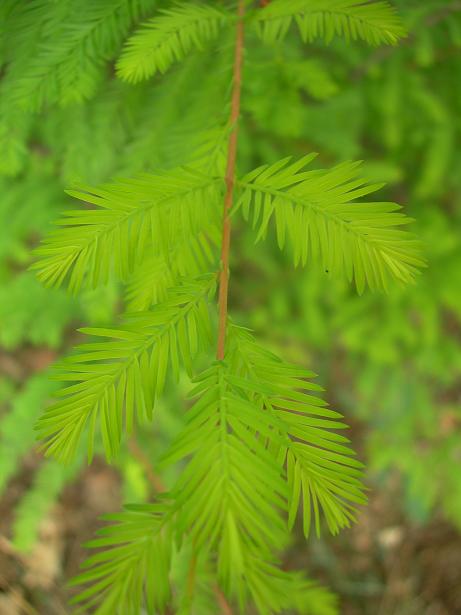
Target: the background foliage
(391, 362)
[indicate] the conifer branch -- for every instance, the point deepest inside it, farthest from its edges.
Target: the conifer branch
(230, 173)
(223, 604)
(259, 447)
(158, 486)
(112, 380)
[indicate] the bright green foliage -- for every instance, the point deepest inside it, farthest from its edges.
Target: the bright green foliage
(401, 352)
(320, 466)
(308, 598)
(123, 583)
(166, 207)
(140, 539)
(167, 38)
(72, 43)
(318, 212)
(373, 22)
(217, 501)
(250, 424)
(316, 209)
(157, 273)
(113, 381)
(258, 445)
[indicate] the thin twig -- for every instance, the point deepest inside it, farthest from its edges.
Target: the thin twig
(230, 175)
(223, 604)
(191, 576)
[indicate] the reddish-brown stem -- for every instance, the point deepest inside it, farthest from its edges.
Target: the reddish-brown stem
(222, 602)
(191, 575)
(230, 175)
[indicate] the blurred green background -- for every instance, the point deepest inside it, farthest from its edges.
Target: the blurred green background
(390, 363)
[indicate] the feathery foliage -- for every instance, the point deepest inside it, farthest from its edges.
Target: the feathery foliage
(321, 470)
(374, 22)
(215, 497)
(169, 38)
(241, 435)
(258, 445)
(112, 381)
(138, 542)
(192, 256)
(72, 47)
(94, 244)
(318, 212)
